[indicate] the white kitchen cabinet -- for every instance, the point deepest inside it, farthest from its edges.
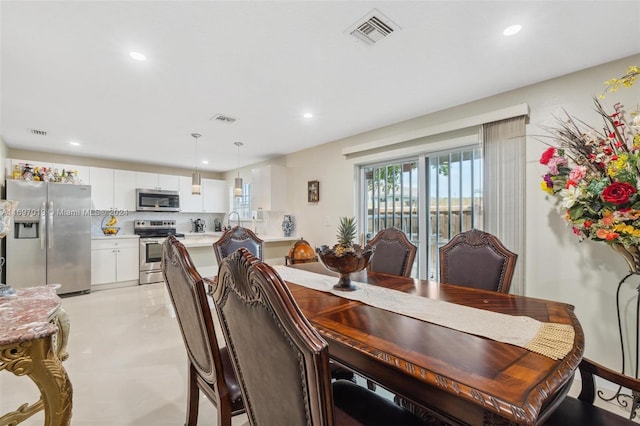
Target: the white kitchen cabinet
(113, 189)
(269, 188)
(189, 203)
(214, 195)
(157, 181)
(124, 190)
(101, 188)
(212, 198)
(115, 260)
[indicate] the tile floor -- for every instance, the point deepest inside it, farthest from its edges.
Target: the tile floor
(127, 363)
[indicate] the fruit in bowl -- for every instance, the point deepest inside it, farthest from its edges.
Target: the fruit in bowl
(110, 230)
(345, 257)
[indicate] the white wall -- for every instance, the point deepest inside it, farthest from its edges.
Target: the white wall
(557, 266)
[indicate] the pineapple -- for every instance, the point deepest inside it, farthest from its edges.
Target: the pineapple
(346, 235)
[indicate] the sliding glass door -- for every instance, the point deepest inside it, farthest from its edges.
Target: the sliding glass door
(430, 206)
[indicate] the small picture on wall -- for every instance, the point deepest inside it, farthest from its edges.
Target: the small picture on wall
(313, 190)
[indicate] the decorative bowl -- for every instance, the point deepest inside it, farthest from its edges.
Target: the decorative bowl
(345, 264)
(110, 230)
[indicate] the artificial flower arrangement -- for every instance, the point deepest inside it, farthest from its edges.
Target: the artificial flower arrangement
(596, 173)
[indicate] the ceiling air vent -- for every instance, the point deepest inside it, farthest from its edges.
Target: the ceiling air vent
(223, 118)
(373, 28)
(38, 132)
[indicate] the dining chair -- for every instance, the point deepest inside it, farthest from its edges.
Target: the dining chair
(281, 361)
(477, 259)
(209, 367)
(301, 252)
(582, 411)
(394, 253)
(235, 238)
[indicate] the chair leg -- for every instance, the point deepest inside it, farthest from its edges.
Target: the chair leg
(224, 412)
(193, 396)
(371, 385)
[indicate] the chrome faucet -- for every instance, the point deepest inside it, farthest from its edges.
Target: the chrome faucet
(237, 214)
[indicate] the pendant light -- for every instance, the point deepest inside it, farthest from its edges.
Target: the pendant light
(195, 178)
(237, 187)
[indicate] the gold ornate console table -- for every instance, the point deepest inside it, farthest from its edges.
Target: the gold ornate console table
(33, 337)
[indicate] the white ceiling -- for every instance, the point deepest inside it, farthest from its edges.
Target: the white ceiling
(66, 69)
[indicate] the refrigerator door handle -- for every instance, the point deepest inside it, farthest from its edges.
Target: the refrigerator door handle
(43, 209)
(50, 225)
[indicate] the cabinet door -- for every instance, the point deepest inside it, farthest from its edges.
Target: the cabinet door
(128, 264)
(214, 195)
(189, 203)
(147, 180)
(103, 266)
(169, 182)
(269, 190)
(257, 189)
(124, 190)
(101, 188)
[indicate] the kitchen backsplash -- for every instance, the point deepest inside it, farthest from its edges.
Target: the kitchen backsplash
(183, 221)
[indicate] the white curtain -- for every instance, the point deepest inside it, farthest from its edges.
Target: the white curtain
(504, 186)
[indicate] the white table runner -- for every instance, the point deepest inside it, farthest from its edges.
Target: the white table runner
(549, 339)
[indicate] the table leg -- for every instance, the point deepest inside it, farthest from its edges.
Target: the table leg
(38, 360)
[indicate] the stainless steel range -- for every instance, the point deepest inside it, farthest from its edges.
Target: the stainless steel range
(152, 234)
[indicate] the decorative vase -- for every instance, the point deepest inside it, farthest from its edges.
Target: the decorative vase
(287, 225)
(631, 255)
(345, 264)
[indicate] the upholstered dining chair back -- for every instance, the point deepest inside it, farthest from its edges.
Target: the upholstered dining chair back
(281, 360)
(477, 259)
(235, 238)
(394, 253)
(210, 368)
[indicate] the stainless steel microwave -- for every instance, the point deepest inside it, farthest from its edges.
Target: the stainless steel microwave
(157, 200)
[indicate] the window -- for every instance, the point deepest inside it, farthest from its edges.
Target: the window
(452, 196)
(242, 204)
(454, 182)
(390, 198)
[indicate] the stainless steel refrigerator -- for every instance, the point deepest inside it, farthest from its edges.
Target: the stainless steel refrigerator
(51, 237)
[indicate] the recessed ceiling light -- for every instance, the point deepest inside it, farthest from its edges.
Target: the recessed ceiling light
(205, 162)
(74, 143)
(307, 115)
(512, 30)
(138, 56)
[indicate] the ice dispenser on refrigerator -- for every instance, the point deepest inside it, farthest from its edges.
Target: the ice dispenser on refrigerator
(26, 230)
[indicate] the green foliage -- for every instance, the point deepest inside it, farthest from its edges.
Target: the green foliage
(347, 231)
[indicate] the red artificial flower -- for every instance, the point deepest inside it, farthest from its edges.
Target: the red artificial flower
(618, 193)
(587, 223)
(547, 155)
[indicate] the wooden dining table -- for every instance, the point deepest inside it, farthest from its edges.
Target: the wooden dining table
(454, 377)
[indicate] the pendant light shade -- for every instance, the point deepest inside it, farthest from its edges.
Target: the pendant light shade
(195, 178)
(237, 186)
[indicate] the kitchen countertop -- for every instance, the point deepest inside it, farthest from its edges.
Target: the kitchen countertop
(207, 239)
(114, 237)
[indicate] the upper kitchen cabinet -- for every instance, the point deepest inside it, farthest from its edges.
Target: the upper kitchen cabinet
(113, 189)
(211, 200)
(214, 195)
(189, 203)
(269, 188)
(157, 181)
